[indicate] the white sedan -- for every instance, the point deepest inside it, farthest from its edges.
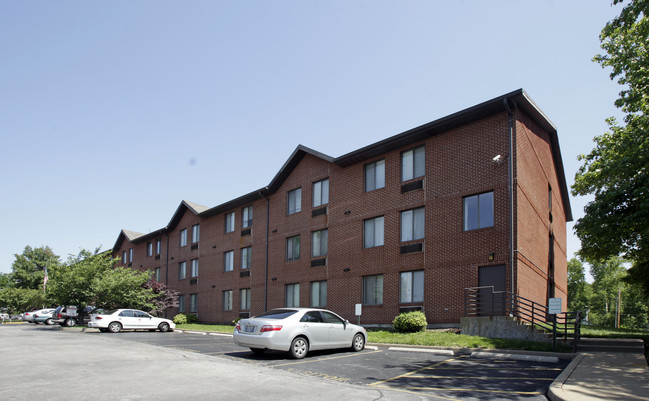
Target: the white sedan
(117, 320)
(298, 330)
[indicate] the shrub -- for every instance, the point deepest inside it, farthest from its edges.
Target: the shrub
(180, 319)
(192, 319)
(410, 322)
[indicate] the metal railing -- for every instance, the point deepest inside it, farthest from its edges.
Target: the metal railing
(484, 301)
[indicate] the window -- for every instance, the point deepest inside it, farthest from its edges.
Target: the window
(413, 163)
(373, 232)
(229, 222)
(193, 302)
(158, 246)
(294, 201)
(157, 274)
(321, 193)
(374, 175)
(293, 248)
(412, 224)
(319, 241)
(124, 259)
(196, 233)
(183, 237)
(149, 249)
(194, 267)
(479, 211)
(181, 303)
(130, 255)
(228, 261)
(292, 295)
(244, 296)
(227, 300)
(319, 294)
(411, 287)
(182, 270)
(373, 290)
(246, 257)
(246, 217)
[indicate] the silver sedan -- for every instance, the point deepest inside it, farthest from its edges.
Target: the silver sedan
(297, 331)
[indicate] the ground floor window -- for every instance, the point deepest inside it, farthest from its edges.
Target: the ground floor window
(193, 303)
(319, 294)
(227, 300)
(411, 287)
(373, 290)
(245, 299)
(292, 295)
(181, 303)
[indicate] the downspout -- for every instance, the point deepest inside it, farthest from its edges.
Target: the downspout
(266, 257)
(510, 172)
(167, 266)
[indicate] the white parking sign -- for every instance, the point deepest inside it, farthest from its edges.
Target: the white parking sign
(554, 306)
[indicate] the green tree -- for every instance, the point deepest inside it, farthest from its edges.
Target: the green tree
(5, 280)
(122, 288)
(28, 269)
(579, 291)
(616, 171)
(18, 300)
(607, 283)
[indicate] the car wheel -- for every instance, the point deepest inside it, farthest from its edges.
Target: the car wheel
(258, 351)
(358, 343)
(71, 322)
(163, 327)
(299, 347)
(115, 327)
(49, 322)
(103, 330)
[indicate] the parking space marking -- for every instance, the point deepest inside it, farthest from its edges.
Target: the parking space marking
(464, 390)
(413, 372)
(479, 377)
(320, 375)
(323, 359)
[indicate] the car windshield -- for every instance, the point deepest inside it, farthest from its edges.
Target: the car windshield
(277, 314)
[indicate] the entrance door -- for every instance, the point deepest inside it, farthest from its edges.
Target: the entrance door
(492, 303)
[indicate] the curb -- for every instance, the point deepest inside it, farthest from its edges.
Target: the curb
(516, 357)
(555, 392)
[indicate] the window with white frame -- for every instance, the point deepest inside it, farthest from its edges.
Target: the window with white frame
(375, 175)
(182, 270)
(412, 224)
(292, 295)
(319, 240)
(321, 192)
(227, 300)
(124, 257)
(158, 246)
(228, 261)
(229, 222)
(196, 233)
(149, 249)
(183, 237)
(194, 268)
(293, 248)
(373, 232)
(294, 201)
(319, 294)
(181, 303)
(244, 298)
(246, 257)
(413, 163)
(246, 217)
(193, 303)
(479, 211)
(130, 255)
(411, 287)
(373, 290)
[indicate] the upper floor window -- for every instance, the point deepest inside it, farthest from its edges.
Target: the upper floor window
(196, 233)
(375, 175)
(246, 257)
(479, 211)
(321, 193)
(411, 287)
(294, 201)
(130, 255)
(124, 259)
(182, 270)
(413, 163)
(158, 246)
(194, 267)
(246, 217)
(228, 261)
(229, 222)
(373, 290)
(293, 248)
(319, 241)
(183, 237)
(373, 232)
(412, 224)
(149, 249)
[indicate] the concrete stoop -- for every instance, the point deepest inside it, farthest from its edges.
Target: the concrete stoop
(501, 327)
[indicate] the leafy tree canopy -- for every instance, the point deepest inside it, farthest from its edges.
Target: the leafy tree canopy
(18, 300)
(616, 171)
(28, 269)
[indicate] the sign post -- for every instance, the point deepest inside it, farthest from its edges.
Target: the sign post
(359, 310)
(554, 308)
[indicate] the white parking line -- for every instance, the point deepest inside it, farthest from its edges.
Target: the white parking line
(427, 350)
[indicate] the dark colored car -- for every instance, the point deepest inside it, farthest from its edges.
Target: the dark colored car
(71, 315)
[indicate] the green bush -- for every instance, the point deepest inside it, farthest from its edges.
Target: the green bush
(410, 322)
(192, 319)
(180, 319)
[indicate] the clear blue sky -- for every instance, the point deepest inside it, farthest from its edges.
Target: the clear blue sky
(112, 113)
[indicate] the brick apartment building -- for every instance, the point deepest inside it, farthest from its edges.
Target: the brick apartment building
(475, 198)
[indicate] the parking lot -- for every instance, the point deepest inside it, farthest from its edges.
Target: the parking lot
(460, 377)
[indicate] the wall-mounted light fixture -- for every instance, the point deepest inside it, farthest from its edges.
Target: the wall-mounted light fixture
(348, 212)
(346, 269)
(492, 256)
(274, 279)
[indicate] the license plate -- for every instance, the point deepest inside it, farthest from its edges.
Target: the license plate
(249, 329)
